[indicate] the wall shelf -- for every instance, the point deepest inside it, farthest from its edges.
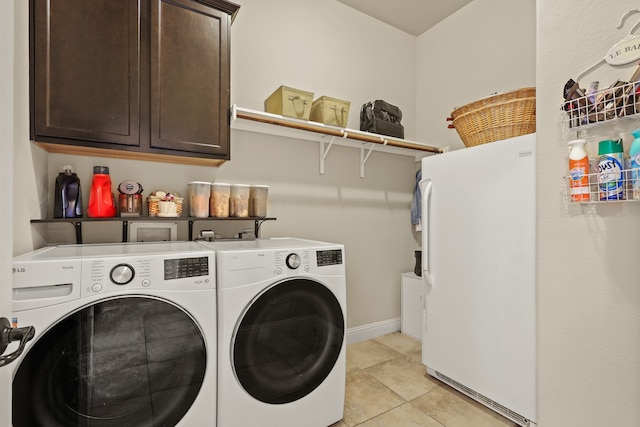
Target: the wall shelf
(610, 105)
(617, 190)
(77, 223)
(327, 136)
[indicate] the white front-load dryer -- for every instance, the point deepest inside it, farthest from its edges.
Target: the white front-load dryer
(281, 332)
(125, 336)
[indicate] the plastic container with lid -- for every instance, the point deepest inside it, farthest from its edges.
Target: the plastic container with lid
(219, 199)
(199, 192)
(101, 201)
(611, 169)
(258, 195)
(239, 201)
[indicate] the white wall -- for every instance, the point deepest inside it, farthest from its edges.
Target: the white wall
(588, 287)
(324, 47)
(486, 47)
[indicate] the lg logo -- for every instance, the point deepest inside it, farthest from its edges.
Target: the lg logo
(19, 270)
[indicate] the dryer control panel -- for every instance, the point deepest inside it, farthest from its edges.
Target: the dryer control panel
(248, 262)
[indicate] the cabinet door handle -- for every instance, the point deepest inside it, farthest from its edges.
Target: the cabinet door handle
(8, 335)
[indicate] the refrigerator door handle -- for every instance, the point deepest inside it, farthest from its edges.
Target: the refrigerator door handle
(426, 186)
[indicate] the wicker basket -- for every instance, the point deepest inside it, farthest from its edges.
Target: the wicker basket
(153, 207)
(496, 117)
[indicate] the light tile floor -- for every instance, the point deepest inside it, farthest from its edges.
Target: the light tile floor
(388, 386)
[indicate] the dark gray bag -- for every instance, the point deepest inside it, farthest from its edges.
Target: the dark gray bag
(382, 118)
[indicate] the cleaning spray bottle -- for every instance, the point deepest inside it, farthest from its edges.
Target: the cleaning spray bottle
(611, 169)
(634, 154)
(579, 171)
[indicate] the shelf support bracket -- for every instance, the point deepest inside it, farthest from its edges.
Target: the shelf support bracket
(364, 158)
(323, 152)
(77, 225)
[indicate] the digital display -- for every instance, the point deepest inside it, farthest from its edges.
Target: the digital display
(181, 268)
(329, 257)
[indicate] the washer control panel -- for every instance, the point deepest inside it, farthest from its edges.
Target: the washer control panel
(153, 271)
(180, 268)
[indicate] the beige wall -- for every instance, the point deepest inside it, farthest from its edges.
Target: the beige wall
(486, 47)
(588, 286)
(6, 168)
(29, 163)
(324, 47)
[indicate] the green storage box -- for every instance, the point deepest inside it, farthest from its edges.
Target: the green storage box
(330, 111)
(289, 102)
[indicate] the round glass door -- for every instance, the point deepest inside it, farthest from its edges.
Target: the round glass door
(288, 341)
(125, 362)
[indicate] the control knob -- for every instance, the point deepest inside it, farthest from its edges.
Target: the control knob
(121, 274)
(293, 261)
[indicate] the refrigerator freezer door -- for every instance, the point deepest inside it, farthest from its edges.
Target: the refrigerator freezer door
(480, 312)
(425, 188)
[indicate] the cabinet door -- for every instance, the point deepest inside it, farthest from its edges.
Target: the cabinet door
(189, 78)
(85, 71)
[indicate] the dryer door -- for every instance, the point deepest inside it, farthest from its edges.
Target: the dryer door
(288, 341)
(125, 362)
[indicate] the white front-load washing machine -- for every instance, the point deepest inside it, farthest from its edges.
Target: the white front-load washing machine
(281, 332)
(125, 336)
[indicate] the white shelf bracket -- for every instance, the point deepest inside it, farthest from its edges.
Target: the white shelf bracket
(364, 158)
(323, 152)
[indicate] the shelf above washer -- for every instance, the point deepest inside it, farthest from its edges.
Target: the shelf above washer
(274, 124)
(77, 223)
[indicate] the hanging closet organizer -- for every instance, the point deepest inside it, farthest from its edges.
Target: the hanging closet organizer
(621, 99)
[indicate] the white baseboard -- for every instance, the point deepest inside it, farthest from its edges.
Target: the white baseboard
(372, 330)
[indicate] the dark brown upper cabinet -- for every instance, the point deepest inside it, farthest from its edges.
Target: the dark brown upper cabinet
(144, 79)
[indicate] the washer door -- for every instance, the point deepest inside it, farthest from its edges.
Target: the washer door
(288, 341)
(125, 362)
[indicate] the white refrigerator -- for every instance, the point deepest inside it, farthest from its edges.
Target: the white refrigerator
(478, 261)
